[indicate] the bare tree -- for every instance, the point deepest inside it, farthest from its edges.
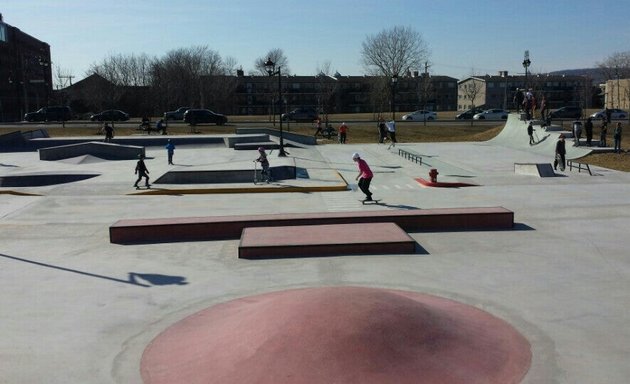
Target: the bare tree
(327, 87)
(392, 51)
(471, 88)
(616, 66)
(277, 56)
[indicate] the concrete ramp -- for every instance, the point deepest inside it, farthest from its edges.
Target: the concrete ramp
(534, 169)
(107, 151)
(514, 135)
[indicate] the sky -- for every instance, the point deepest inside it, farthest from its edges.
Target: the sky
(464, 37)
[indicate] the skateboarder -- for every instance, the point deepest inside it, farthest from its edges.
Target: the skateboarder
(560, 152)
(170, 150)
(264, 164)
(530, 132)
(365, 176)
(109, 132)
(142, 171)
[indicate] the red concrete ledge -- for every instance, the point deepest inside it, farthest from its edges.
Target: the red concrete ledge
(231, 227)
(443, 184)
(324, 240)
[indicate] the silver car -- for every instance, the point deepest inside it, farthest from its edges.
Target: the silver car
(492, 114)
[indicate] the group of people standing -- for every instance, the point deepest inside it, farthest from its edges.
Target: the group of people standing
(526, 101)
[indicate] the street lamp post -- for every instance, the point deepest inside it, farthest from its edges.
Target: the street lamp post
(394, 82)
(270, 66)
(526, 64)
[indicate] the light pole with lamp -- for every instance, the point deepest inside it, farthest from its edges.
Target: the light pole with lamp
(394, 82)
(270, 66)
(526, 64)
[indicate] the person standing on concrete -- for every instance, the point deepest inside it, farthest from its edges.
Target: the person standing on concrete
(588, 127)
(518, 100)
(602, 135)
(561, 151)
(318, 126)
(543, 108)
(109, 132)
(264, 164)
(364, 177)
(391, 129)
(142, 171)
(343, 132)
(170, 150)
(530, 132)
(617, 136)
(382, 131)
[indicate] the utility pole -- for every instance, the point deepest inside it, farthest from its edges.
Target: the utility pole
(69, 77)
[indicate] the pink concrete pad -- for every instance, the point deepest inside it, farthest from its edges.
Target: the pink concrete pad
(338, 335)
(324, 240)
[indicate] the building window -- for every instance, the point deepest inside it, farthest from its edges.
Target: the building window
(3, 32)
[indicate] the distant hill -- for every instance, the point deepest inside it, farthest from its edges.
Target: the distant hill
(594, 73)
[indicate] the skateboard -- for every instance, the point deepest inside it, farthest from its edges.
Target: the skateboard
(373, 201)
(145, 187)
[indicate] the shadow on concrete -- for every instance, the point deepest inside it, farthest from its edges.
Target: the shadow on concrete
(157, 279)
(8, 165)
(153, 279)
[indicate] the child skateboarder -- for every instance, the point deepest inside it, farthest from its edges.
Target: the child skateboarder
(365, 176)
(264, 164)
(142, 171)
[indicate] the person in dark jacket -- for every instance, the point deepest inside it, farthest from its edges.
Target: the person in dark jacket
(142, 171)
(588, 127)
(560, 153)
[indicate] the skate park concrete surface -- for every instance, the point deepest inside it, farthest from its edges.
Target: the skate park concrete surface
(76, 308)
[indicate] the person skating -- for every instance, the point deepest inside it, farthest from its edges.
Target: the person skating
(530, 132)
(364, 177)
(170, 150)
(560, 153)
(109, 132)
(264, 164)
(391, 129)
(142, 171)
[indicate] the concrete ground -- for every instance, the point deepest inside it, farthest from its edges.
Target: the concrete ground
(77, 309)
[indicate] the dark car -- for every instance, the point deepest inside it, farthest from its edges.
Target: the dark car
(301, 114)
(177, 114)
(198, 116)
(53, 113)
(468, 114)
(110, 115)
(566, 112)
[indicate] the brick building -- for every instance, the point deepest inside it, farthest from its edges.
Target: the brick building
(25, 73)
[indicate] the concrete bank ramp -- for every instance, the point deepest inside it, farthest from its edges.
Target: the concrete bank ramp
(102, 150)
(514, 135)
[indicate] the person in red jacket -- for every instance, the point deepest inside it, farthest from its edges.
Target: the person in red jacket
(343, 131)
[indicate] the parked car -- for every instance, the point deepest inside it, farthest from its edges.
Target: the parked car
(301, 114)
(492, 114)
(566, 112)
(615, 114)
(53, 113)
(420, 115)
(177, 114)
(198, 116)
(110, 115)
(469, 113)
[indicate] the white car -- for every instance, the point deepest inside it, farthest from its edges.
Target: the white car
(420, 115)
(615, 114)
(492, 114)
